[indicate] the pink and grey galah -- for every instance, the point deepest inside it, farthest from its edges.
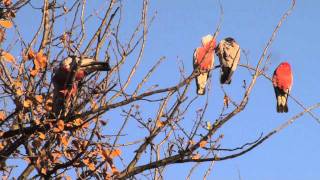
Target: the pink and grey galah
(228, 51)
(66, 86)
(203, 60)
(282, 82)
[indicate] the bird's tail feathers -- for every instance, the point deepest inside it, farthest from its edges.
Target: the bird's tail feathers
(225, 77)
(282, 105)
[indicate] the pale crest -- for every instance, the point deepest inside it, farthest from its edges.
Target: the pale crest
(206, 39)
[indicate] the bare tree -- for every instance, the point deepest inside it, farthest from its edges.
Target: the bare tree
(81, 140)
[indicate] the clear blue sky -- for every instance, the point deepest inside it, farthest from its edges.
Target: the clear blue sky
(179, 25)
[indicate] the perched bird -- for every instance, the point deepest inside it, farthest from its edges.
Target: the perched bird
(282, 82)
(66, 86)
(228, 52)
(203, 60)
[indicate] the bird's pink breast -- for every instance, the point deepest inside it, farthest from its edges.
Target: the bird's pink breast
(283, 78)
(205, 55)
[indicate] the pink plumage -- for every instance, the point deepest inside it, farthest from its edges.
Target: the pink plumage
(204, 55)
(203, 60)
(282, 82)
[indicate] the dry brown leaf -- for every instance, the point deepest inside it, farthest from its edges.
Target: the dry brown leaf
(2, 35)
(31, 54)
(191, 142)
(202, 144)
(94, 106)
(37, 121)
(40, 60)
(56, 156)
(48, 105)
(226, 101)
(105, 154)
(8, 57)
(36, 143)
(6, 23)
(27, 103)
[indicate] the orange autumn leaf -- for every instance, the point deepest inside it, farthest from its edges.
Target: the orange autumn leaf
(115, 153)
(159, 123)
(6, 23)
(2, 116)
(60, 126)
(40, 60)
(77, 122)
(8, 57)
(27, 103)
(203, 144)
(43, 171)
(39, 98)
(7, 2)
(17, 83)
(91, 166)
(1, 146)
(41, 135)
(86, 161)
(19, 92)
(34, 72)
(65, 140)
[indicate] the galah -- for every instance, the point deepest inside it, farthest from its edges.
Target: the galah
(203, 60)
(282, 82)
(66, 86)
(228, 52)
